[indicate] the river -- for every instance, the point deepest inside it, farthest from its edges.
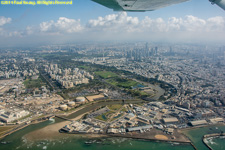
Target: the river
(99, 104)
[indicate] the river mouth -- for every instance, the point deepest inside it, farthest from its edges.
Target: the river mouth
(19, 140)
(52, 131)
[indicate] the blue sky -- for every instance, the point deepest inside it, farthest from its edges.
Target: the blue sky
(82, 11)
(86, 9)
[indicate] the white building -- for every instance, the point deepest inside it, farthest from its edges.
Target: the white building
(12, 115)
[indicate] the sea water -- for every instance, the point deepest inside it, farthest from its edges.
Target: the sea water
(17, 141)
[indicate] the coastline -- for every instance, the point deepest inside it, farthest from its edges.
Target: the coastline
(199, 141)
(191, 128)
(52, 132)
(211, 135)
(17, 128)
(66, 114)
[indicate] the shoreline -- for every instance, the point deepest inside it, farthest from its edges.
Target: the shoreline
(49, 132)
(211, 135)
(202, 126)
(66, 114)
(153, 138)
(17, 128)
(94, 135)
(12, 131)
(186, 130)
(52, 132)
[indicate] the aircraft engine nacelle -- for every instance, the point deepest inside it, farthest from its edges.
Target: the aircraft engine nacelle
(220, 3)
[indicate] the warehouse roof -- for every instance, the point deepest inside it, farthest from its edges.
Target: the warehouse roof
(170, 120)
(198, 122)
(215, 120)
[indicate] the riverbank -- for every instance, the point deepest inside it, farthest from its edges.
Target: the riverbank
(52, 132)
(23, 125)
(13, 130)
(48, 132)
(154, 134)
(100, 103)
(77, 112)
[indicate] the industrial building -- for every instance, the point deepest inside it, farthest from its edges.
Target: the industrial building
(173, 120)
(12, 115)
(216, 120)
(198, 122)
(80, 99)
(139, 128)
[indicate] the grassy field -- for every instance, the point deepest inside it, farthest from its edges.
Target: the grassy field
(84, 67)
(114, 107)
(36, 83)
(142, 93)
(4, 129)
(106, 74)
(125, 83)
(138, 93)
(124, 109)
(117, 116)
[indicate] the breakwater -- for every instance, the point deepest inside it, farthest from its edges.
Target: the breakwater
(211, 135)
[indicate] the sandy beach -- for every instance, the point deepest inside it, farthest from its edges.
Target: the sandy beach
(52, 132)
(161, 137)
(48, 132)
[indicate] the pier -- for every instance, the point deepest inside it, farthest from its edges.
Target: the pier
(211, 135)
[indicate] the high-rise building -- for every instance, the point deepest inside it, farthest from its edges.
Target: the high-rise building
(156, 50)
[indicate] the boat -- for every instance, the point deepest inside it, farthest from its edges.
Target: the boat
(5, 142)
(88, 142)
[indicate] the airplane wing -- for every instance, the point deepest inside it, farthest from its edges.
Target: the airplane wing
(137, 5)
(145, 5)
